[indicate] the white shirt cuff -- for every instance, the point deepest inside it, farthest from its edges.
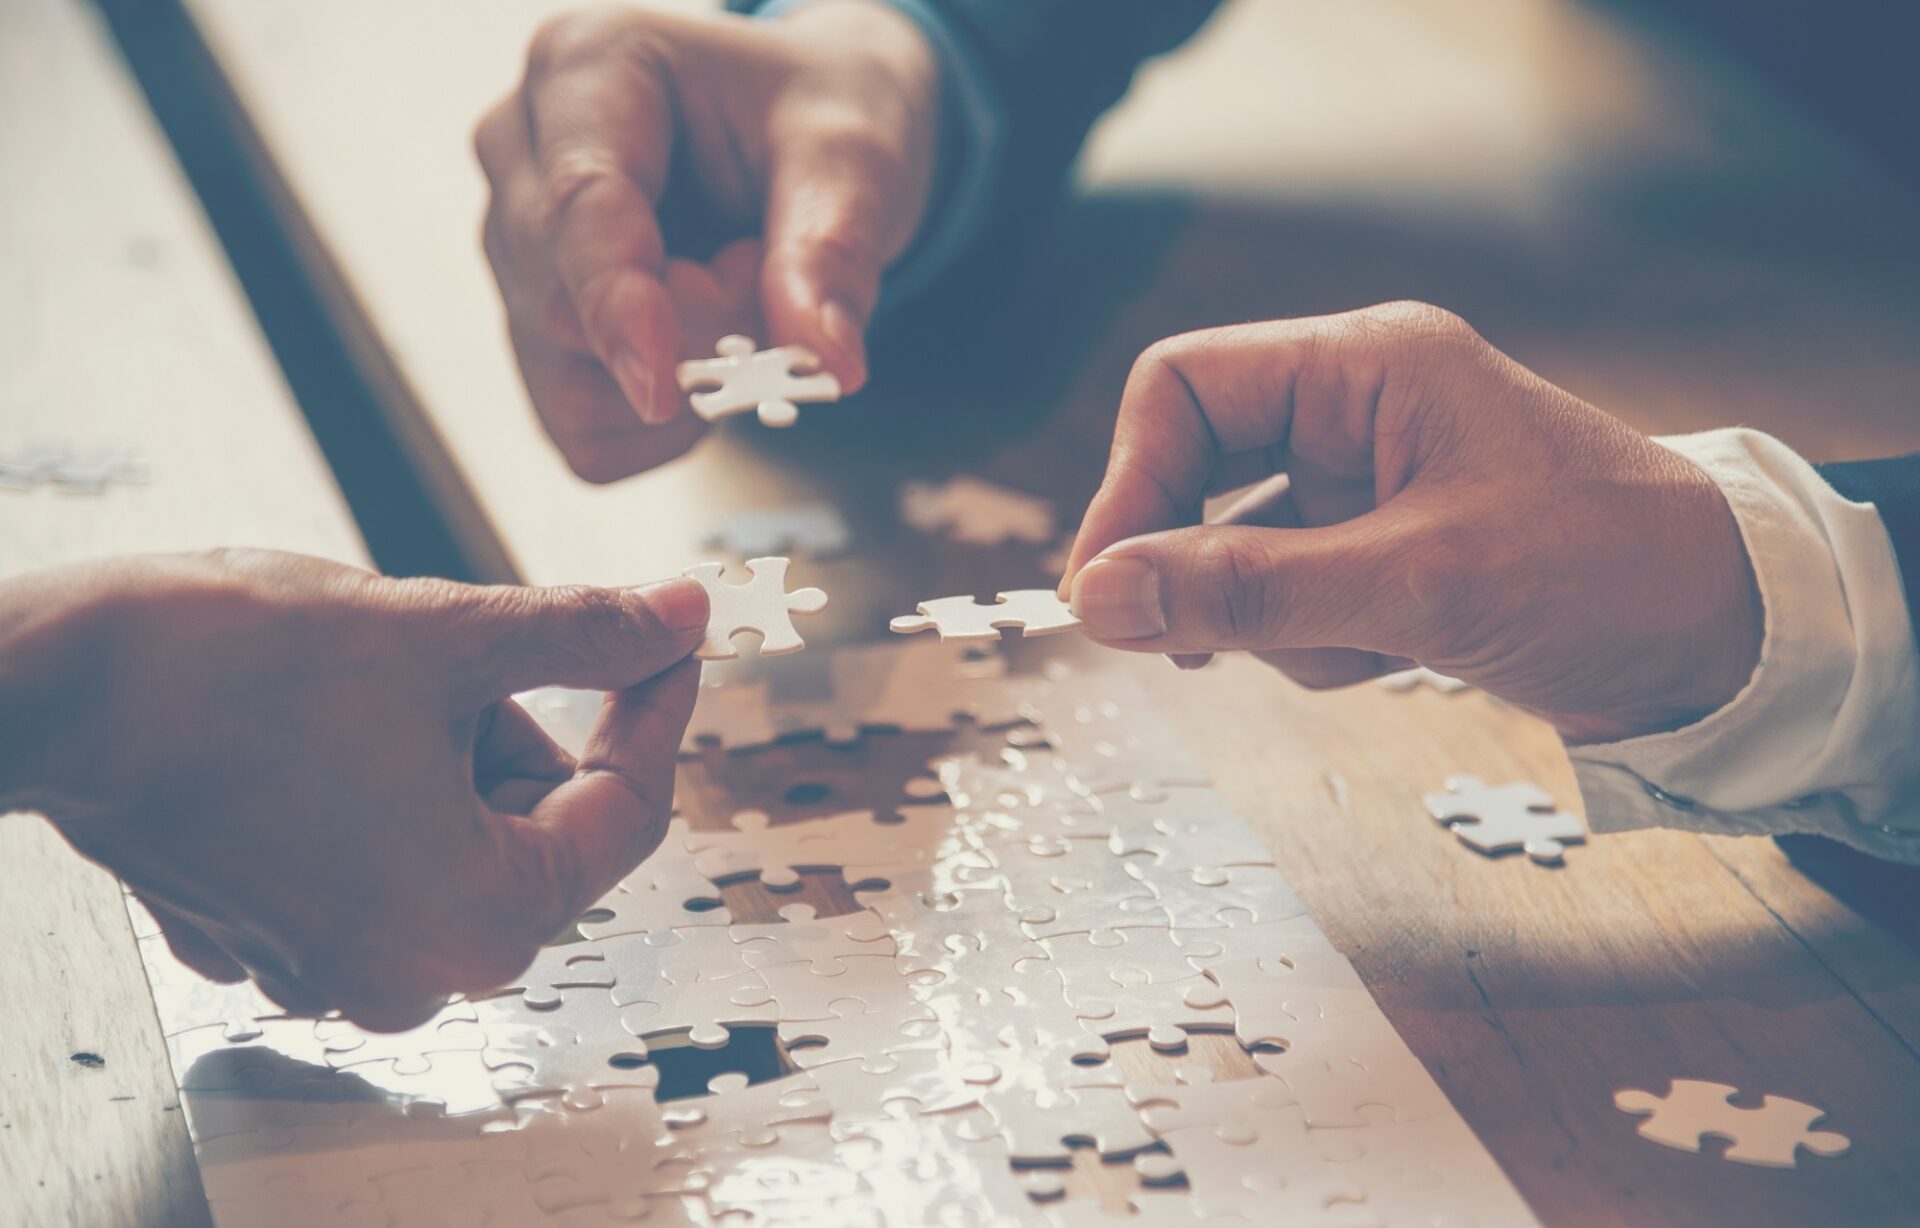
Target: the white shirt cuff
(1825, 737)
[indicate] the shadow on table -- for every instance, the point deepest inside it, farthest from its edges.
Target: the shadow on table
(1883, 892)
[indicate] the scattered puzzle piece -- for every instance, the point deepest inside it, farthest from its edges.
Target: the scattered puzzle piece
(978, 512)
(1036, 611)
(1493, 819)
(772, 382)
(1693, 1109)
(815, 530)
(762, 604)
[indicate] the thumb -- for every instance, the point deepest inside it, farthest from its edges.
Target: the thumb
(1211, 588)
(613, 813)
(834, 222)
(606, 639)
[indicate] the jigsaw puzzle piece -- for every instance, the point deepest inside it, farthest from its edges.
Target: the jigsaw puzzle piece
(977, 512)
(1770, 1135)
(1143, 987)
(803, 938)
(1237, 1110)
(1493, 819)
(1338, 1066)
(1273, 1179)
(741, 377)
(556, 969)
(664, 892)
(1038, 1120)
(866, 1035)
(1035, 611)
(813, 529)
(623, 1158)
(762, 604)
(796, 994)
(1427, 1170)
(574, 1055)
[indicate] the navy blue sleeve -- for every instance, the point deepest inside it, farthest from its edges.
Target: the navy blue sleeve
(1892, 486)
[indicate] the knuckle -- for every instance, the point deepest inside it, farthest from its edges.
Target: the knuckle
(1408, 326)
(565, 176)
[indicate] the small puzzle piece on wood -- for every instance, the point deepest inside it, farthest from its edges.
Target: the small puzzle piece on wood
(762, 604)
(1494, 819)
(978, 512)
(773, 383)
(1036, 611)
(812, 529)
(1693, 1109)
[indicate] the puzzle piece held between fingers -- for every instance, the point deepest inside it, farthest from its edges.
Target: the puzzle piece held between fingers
(770, 382)
(762, 604)
(1493, 819)
(1769, 1136)
(1037, 611)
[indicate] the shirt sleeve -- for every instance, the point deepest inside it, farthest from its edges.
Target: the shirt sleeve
(1825, 737)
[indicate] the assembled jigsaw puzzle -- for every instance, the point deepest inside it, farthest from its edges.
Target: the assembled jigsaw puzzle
(1058, 882)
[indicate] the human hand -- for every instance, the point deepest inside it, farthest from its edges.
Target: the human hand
(314, 776)
(1421, 497)
(801, 154)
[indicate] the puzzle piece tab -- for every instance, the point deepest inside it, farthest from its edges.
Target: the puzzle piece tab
(1036, 611)
(773, 383)
(762, 604)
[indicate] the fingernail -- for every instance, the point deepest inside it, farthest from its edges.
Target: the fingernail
(1119, 599)
(636, 383)
(838, 323)
(680, 604)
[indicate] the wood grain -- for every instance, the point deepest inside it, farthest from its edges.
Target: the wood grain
(1616, 207)
(120, 325)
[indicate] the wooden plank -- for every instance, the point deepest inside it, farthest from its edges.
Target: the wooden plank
(120, 325)
(1565, 180)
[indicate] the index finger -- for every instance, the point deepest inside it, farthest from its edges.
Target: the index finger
(594, 828)
(1197, 409)
(601, 126)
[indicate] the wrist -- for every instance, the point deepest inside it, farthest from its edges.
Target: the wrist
(52, 655)
(886, 37)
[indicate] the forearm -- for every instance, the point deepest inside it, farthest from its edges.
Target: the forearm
(1825, 738)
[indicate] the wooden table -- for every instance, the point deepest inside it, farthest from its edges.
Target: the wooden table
(120, 326)
(1616, 207)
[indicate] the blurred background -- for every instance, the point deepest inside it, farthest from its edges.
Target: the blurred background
(1692, 213)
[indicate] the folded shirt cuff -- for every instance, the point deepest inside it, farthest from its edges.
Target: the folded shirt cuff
(970, 162)
(1825, 737)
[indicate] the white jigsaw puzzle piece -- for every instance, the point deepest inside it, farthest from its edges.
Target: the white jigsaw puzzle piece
(773, 383)
(1770, 1135)
(1494, 818)
(1035, 611)
(762, 604)
(975, 511)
